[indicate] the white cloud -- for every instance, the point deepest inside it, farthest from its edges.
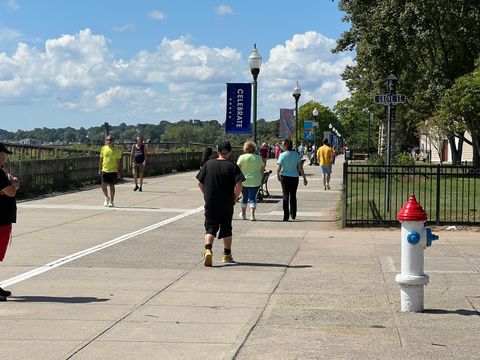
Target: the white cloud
(7, 34)
(125, 27)
(12, 5)
(177, 80)
(224, 10)
(157, 15)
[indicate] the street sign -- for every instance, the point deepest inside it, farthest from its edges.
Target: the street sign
(390, 99)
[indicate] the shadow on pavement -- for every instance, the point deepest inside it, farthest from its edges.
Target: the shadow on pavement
(463, 312)
(268, 265)
(54, 299)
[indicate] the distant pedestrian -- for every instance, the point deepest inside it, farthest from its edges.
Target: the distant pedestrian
(109, 167)
(9, 185)
(252, 167)
(138, 156)
(290, 166)
(278, 150)
(206, 155)
(264, 152)
(221, 184)
(326, 158)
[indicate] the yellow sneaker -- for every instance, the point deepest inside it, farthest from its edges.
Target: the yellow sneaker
(207, 257)
(228, 258)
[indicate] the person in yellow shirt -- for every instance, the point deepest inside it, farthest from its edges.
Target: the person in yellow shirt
(109, 166)
(326, 158)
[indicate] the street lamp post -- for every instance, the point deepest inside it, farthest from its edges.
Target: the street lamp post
(330, 135)
(297, 92)
(370, 118)
(255, 61)
(315, 116)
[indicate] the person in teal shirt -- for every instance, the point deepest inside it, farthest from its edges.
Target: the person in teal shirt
(252, 167)
(290, 166)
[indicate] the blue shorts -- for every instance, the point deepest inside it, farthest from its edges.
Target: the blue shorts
(326, 169)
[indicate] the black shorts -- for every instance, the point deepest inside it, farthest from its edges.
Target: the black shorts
(219, 221)
(109, 178)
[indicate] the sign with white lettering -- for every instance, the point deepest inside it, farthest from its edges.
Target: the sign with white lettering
(239, 97)
(390, 99)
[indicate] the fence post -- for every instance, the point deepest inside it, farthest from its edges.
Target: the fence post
(345, 188)
(437, 208)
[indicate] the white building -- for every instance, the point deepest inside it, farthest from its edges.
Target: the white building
(442, 151)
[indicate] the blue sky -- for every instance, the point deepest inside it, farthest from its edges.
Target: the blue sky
(81, 63)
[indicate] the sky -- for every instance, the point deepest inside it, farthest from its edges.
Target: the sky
(83, 63)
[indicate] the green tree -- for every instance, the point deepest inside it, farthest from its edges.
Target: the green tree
(460, 106)
(427, 44)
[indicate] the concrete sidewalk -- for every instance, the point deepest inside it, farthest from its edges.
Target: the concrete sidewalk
(305, 289)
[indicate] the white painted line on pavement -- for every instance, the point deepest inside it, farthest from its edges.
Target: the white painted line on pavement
(54, 264)
(96, 207)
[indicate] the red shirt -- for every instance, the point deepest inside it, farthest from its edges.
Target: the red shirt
(264, 152)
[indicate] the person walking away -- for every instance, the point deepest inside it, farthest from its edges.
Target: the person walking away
(278, 150)
(310, 153)
(264, 150)
(206, 155)
(221, 184)
(138, 156)
(325, 156)
(109, 166)
(252, 167)
(289, 167)
(8, 209)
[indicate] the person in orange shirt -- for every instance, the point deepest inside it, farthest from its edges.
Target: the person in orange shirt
(326, 158)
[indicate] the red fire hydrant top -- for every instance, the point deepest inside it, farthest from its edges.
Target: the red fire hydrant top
(412, 211)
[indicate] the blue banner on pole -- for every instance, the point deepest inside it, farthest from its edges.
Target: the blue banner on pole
(309, 130)
(239, 98)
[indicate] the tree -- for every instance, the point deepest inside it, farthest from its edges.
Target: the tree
(460, 106)
(324, 118)
(427, 44)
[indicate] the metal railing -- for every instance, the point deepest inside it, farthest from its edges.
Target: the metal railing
(374, 194)
(39, 177)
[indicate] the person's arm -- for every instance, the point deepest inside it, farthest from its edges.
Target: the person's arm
(11, 190)
(144, 155)
(131, 155)
(201, 187)
(300, 170)
(237, 191)
(100, 165)
(262, 171)
(279, 169)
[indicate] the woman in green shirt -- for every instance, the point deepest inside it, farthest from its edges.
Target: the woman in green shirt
(252, 168)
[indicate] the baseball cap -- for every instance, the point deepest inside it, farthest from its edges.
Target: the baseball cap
(4, 149)
(224, 147)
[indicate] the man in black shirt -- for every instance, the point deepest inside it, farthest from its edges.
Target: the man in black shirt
(221, 183)
(8, 209)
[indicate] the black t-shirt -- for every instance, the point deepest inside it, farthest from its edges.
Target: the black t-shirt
(138, 154)
(8, 205)
(219, 178)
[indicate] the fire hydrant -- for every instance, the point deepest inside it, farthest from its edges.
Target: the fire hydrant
(415, 238)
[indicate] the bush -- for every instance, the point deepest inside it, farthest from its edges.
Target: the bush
(376, 159)
(404, 159)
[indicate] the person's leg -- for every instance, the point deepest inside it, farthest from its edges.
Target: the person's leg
(5, 234)
(243, 214)
(135, 176)
(225, 233)
(252, 193)
(211, 228)
(104, 189)
(112, 194)
(293, 197)
(142, 170)
(328, 181)
(285, 194)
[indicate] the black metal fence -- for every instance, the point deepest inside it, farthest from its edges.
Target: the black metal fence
(374, 194)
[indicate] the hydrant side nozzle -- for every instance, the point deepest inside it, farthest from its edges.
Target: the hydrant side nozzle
(413, 237)
(431, 236)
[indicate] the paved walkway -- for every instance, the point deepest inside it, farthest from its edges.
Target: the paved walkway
(127, 283)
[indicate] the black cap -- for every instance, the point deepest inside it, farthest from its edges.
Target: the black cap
(4, 149)
(224, 147)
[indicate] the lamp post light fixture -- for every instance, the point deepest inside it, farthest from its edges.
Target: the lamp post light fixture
(255, 61)
(297, 92)
(315, 116)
